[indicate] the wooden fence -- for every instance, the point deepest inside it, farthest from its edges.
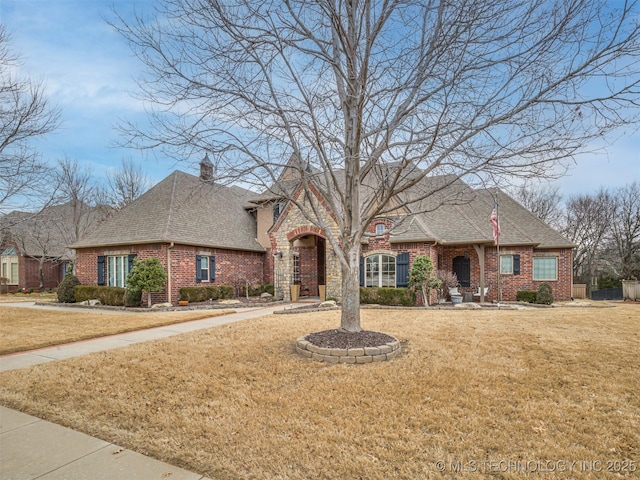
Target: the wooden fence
(631, 289)
(579, 290)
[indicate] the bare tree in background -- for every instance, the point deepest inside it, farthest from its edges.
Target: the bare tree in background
(382, 93)
(625, 230)
(77, 191)
(25, 114)
(126, 184)
(543, 200)
(587, 223)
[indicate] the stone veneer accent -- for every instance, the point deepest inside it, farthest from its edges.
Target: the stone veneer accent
(380, 353)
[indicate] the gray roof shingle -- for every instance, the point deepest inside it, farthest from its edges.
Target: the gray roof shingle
(182, 209)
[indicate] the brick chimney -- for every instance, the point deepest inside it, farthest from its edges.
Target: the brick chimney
(206, 169)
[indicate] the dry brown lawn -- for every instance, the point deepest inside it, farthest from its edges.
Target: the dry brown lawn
(510, 394)
(23, 328)
(30, 297)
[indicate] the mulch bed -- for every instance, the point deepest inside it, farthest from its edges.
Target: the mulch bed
(338, 339)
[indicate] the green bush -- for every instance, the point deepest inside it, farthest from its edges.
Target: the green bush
(147, 275)
(545, 294)
(65, 290)
(133, 298)
(256, 290)
(202, 294)
(388, 296)
(114, 296)
(527, 296)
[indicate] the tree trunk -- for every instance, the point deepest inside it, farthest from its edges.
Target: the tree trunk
(350, 321)
(149, 299)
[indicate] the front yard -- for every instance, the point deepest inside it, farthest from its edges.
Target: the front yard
(475, 394)
(23, 328)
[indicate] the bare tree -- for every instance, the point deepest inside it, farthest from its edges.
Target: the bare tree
(126, 184)
(625, 230)
(544, 201)
(382, 93)
(25, 114)
(587, 223)
(77, 191)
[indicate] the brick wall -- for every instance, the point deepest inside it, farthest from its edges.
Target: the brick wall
(232, 267)
(511, 283)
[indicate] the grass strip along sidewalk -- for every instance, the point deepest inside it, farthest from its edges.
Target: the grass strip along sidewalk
(23, 329)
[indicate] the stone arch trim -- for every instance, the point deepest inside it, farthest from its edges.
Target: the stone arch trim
(305, 230)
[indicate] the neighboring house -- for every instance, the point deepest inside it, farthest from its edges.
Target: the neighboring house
(203, 232)
(33, 251)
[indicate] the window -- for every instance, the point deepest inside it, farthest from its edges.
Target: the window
(296, 268)
(276, 212)
(379, 228)
(545, 268)
(510, 264)
(380, 271)
(506, 264)
(205, 268)
(118, 269)
(10, 269)
(10, 265)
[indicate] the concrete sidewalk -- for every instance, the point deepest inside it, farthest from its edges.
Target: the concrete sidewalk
(69, 350)
(31, 448)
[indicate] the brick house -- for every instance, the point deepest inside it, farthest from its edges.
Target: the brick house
(208, 233)
(200, 232)
(33, 251)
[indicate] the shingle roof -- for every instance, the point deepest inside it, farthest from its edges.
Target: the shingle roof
(47, 232)
(466, 220)
(182, 209)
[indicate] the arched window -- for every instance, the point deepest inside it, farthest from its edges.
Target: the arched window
(380, 271)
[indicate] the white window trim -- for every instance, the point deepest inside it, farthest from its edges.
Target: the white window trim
(7, 261)
(205, 278)
(114, 278)
(379, 256)
(380, 228)
(510, 272)
(533, 274)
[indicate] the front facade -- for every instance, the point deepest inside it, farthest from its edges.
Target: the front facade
(20, 271)
(203, 233)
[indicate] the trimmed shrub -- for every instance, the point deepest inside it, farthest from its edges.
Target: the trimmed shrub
(527, 296)
(256, 290)
(65, 290)
(545, 294)
(388, 296)
(202, 294)
(114, 296)
(133, 298)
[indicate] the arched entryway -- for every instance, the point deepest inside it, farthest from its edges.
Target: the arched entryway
(309, 264)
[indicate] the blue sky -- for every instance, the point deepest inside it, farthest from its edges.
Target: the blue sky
(89, 73)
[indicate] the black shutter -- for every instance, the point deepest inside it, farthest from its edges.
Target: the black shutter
(198, 271)
(130, 260)
(101, 270)
(516, 264)
(402, 270)
(362, 271)
(212, 269)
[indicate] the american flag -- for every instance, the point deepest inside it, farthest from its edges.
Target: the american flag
(496, 224)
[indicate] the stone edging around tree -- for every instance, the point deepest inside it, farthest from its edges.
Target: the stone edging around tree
(380, 353)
